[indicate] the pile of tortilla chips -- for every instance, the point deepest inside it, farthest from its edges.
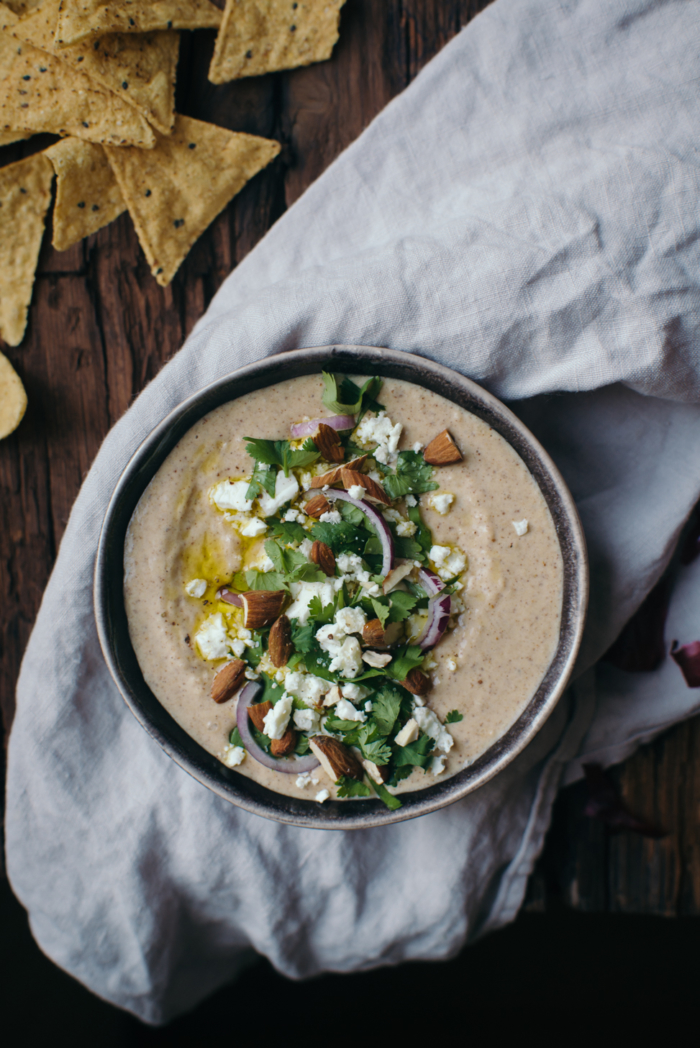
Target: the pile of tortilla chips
(101, 75)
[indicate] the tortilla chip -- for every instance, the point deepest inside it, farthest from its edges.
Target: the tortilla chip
(40, 93)
(260, 36)
(25, 194)
(176, 190)
(84, 18)
(140, 68)
(87, 194)
(22, 7)
(8, 137)
(13, 399)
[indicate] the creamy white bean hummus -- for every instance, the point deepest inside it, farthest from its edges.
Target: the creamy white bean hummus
(181, 548)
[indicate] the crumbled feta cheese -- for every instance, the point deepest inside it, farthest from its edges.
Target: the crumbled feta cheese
(243, 634)
(409, 733)
(250, 674)
(276, 721)
(411, 500)
(449, 562)
(252, 527)
(303, 592)
(369, 706)
(406, 528)
(332, 516)
(264, 563)
(437, 764)
(237, 647)
(329, 638)
(349, 563)
(348, 660)
(196, 588)
(305, 779)
(305, 546)
(306, 480)
(285, 489)
(441, 501)
(417, 446)
(354, 691)
(351, 620)
(438, 554)
(392, 514)
(233, 756)
(322, 796)
(430, 724)
(375, 659)
(231, 496)
(346, 711)
(293, 515)
(520, 526)
(306, 687)
(356, 491)
(379, 429)
(451, 665)
(211, 638)
(307, 720)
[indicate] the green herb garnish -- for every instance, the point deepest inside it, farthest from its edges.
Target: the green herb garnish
(454, 717)
(413, 476)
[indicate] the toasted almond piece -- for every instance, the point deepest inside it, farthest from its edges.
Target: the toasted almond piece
(350, 478)
(328, 443)
(228, 680)
(316, 506)
(279, 643)
(258, 714)
(261, 607)
(332, 696)
(417, 682)
(380, 775)
(324, 556)
(408, 734)
(375, 637)
(442, 450)
(333, 475)
(285, 745)
(335, 758)
(398, 573)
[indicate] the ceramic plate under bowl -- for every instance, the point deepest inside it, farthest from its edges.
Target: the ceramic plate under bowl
(111, 614)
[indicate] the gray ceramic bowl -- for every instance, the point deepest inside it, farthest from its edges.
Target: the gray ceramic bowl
(111, 616)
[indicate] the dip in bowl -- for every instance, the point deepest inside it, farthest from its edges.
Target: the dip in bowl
(347, 623)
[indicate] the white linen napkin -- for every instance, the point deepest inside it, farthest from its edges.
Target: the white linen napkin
(525, 212)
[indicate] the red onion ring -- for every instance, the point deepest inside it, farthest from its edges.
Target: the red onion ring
(381, 526)
(308, 428)
(439, 609)
(687, 656)
(289, 767)
(432, 583)
(229, 597)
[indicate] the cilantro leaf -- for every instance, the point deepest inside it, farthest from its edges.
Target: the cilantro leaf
(386, 706)
(397, 774)
(271, 692)
(306, 573)
(337, 724)
(376, 751)
(423, 536)
(262, 740)
(276, 555)
(261, 480)
(302, 745)
(353, 515)
(389, 799)
(258, 580)
(287, 530)
(342, 538)
(281, 454)
(235, 738)
(417, 753)
(321, 614)
(352, 788)
(408, 659)
(402, 604)
(454, 717)
(345, 398)
(408, 549)
(413, 475)
(303, 636)
(381, 609)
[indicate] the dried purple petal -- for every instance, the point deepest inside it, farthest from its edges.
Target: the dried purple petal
(688, 658)
(605, 804)
(640, 648)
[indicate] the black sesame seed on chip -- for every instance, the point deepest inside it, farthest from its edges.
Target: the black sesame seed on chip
(292, 28)
(249, 54)
(95, 207)
(27, 77)
(80, 58)
(124, 84)
(85, 123)
(192, 145)
(81, 204)
(147, 193)
(178, 222)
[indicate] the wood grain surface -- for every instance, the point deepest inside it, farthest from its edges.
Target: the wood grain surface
(100, 328)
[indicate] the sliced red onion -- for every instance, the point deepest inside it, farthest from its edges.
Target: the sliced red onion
(229, 597)
(373, 515)
(439, 609)
(307, 429)
(431, 583)
(297, 766)
(688, 658)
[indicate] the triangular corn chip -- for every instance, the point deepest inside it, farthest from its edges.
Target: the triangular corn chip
(260, 36)
(139, 67)
(25, 194)
(176, 190)
(82, 18)
(8, 137)
(41, 93)
(13, 399)
(87, 194)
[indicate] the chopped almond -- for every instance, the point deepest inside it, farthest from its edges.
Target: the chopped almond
(324, 556)
(317, 506)
(261, 607)
(284, 746)
(350, 478)
(227, 681)
(333, 475)
(279, 643)
(335, 758)
(442, 450)
(258, 714)
(328, 443)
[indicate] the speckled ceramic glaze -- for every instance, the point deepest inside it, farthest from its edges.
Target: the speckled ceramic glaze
(112, 621)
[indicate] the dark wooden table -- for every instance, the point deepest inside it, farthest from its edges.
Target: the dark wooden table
(100, 328)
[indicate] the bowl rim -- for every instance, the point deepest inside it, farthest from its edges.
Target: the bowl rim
(110, 613)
